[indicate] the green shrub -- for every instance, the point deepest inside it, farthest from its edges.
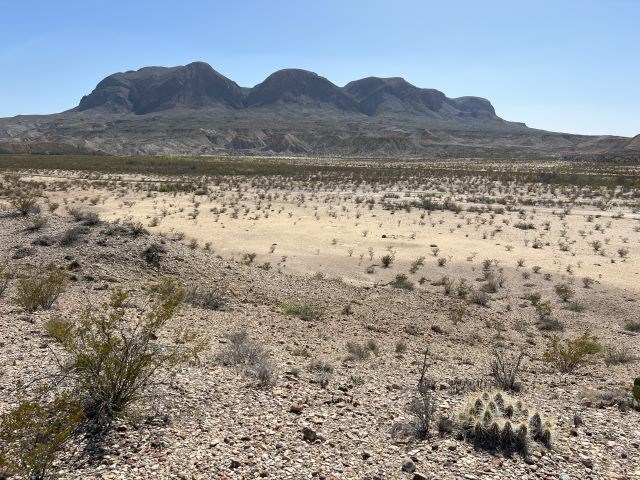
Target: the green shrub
(41, 289)
(567, 355)
(24, 201)
(302, 310)
(33, 433)
(112, 360)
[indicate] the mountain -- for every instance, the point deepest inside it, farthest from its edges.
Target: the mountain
(195, 110)
(301, 87)
(154, 89)
(377, 96)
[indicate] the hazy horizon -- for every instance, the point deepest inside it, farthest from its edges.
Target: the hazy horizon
(566, 67)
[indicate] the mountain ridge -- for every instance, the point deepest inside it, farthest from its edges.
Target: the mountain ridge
(195, 110)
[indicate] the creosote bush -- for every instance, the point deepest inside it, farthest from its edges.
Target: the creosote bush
(24, 201)
(567, 355)
(33, 433)
(493, 421)
(113, 358)
(40, 289)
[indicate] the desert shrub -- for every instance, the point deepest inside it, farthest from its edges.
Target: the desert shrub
(386, 260)
(33, 433)
(505, 368)
(493, 421)
(241, 351)
(323, 370)
(587, 282)
(441, 261)
(479, 298)
(43, 241)
(302, 310)
(567, 355)
(457, 313)
(71, 236)
(358, 351)
(112, 359)
(212, 298)
(492, 284)
(575, 307)
(86, 218)
(524, 225)
(36, 223)
(616, 356)
(546, 320)
(153, 254)
(564, 291)
(24, 201)
(402, 282)
(401, 347)
(40, 289)
(135, 229)
(424, 404)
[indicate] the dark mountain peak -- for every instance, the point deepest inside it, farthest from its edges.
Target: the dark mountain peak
(153, 89)
(376, 96)
(474, 105)
(298, 86)
(360, 89)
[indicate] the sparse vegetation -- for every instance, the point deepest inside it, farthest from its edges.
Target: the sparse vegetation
(568, 354)
(40, 289)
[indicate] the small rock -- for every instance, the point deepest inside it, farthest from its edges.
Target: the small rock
(408, 466)
(309, 434)
(296, 408)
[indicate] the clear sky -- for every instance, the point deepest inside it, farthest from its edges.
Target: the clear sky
(563, 65)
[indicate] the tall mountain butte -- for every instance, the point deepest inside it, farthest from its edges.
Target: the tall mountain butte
(193, 109)
(154, 89)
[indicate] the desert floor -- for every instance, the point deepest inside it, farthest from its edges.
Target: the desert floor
(470, 255)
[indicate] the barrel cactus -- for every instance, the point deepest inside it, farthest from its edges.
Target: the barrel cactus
(494, 421)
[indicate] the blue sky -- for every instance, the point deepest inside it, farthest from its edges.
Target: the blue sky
(563, 65)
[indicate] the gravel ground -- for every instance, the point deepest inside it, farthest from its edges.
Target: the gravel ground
(212, 421)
